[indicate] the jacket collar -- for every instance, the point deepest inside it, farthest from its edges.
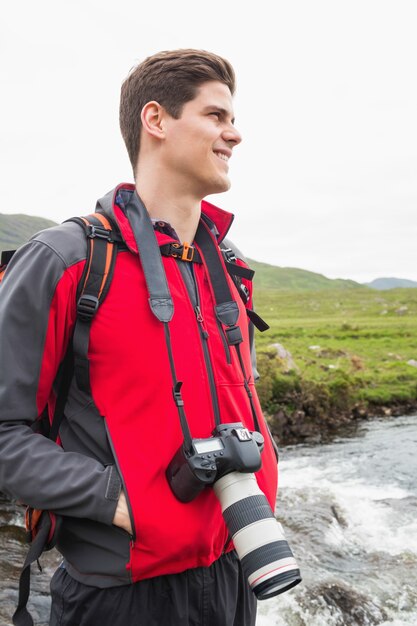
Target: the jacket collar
(114, 203)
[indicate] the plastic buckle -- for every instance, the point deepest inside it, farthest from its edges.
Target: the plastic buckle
(229, 255)
(184, 252)
(244, 292)
(187, 252)
(87, 307)
(234, 335)
(99, 232)
(178, 398)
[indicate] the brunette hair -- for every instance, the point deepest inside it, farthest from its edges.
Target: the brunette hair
(172, 79)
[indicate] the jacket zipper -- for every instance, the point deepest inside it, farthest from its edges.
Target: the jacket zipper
(132, 521)
(204, 338)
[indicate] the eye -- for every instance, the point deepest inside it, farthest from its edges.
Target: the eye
(216, 114)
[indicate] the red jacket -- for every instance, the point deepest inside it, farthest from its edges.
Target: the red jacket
(130, 422)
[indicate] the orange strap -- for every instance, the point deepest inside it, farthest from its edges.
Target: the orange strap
(32, 517)
(109, 250)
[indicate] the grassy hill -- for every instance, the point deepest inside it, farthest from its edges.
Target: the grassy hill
(273, 277)
(16, 229)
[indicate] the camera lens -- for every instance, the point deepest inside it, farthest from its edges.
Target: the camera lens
(259, 540)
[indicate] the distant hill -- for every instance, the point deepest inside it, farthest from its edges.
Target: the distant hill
(273, 277)
(391, 283)
(16, 229)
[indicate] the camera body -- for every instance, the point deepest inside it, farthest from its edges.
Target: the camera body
(232, 448)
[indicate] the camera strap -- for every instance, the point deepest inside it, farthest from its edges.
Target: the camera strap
(226, 308)
(160, 299)
(161, 303)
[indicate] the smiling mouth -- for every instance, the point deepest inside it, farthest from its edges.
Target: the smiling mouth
(221, 156)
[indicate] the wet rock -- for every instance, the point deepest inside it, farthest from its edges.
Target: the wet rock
(338, 514)
(348, 607)
(359, 412)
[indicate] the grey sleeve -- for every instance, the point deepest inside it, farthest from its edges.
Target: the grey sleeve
(33, 468)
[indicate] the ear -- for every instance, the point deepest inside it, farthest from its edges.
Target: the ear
(151, 117)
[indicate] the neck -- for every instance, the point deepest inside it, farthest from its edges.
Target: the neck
(164, 199)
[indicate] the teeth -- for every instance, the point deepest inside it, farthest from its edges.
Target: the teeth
(222, 156)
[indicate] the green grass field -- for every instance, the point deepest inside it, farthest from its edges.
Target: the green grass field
(349, 346)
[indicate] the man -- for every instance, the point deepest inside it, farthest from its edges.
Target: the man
(133, 552)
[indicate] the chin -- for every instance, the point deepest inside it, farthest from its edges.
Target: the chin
(220, 186)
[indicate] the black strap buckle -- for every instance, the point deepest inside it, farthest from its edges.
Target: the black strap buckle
(229, 254)
(244, 292)
(99, 232)
(234, 335)
(86, 307)
(177, 394)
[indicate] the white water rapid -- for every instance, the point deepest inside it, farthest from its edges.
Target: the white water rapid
(349, 509)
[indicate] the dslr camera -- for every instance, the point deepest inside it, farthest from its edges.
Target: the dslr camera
(227, 461)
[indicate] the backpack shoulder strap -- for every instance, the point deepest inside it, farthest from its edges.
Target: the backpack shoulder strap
(102, 239)
(237, 272)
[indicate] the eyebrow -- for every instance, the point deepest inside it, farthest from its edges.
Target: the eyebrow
(224, 112)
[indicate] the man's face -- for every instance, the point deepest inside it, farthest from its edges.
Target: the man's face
(199, 144)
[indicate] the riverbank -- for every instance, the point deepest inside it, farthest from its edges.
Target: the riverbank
(300, 409)
(301, 426)
(333, 358)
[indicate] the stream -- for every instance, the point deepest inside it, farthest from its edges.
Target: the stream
(349, 509)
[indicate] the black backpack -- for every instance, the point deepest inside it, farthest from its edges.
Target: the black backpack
(103, 238)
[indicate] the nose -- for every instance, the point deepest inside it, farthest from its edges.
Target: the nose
(232, 135)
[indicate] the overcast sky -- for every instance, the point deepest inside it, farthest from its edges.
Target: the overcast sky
(326, 176)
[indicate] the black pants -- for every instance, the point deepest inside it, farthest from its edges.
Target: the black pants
(218, 595)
